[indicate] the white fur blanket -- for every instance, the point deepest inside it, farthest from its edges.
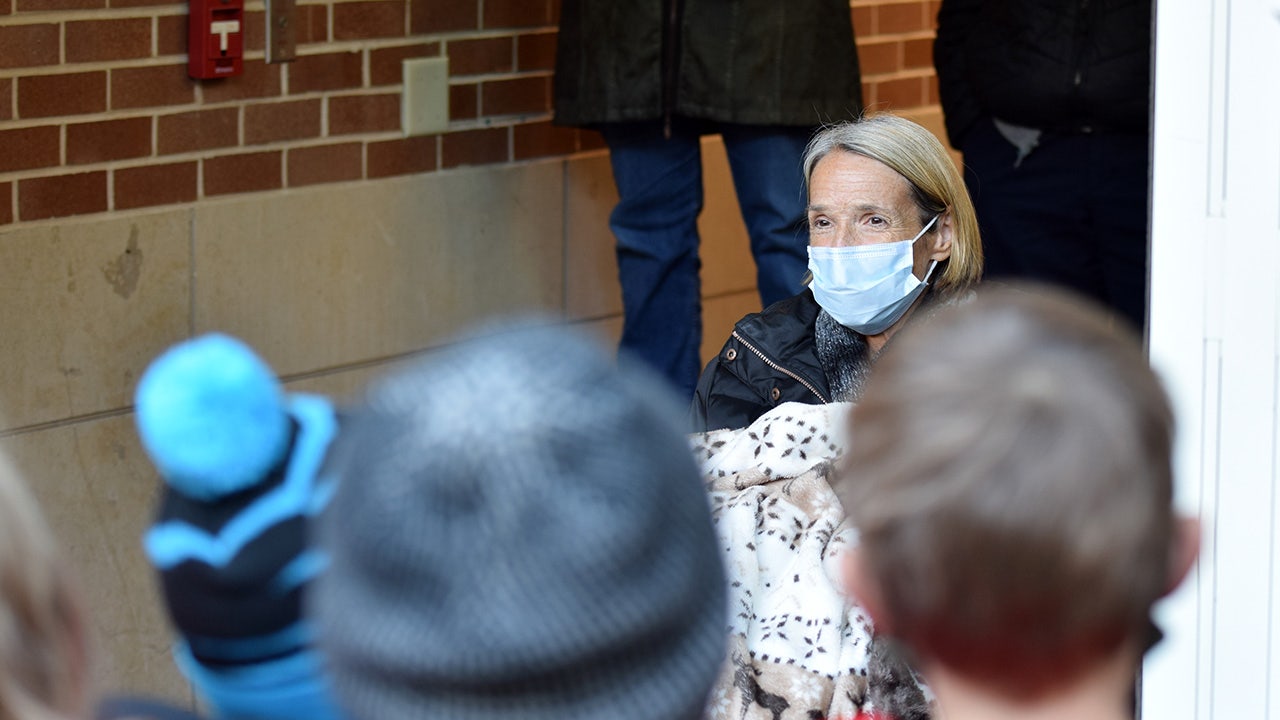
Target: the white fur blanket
(797, 647)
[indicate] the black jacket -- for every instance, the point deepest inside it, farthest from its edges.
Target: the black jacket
(758, 62)
(770, 359)
(1060, 65)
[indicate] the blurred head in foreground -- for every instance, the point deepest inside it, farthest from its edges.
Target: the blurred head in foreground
(519, 530)
(1009, 473)
(43, 657)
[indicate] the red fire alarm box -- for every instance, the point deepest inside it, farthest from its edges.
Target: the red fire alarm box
(215, 38)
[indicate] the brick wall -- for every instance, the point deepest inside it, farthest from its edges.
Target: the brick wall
(97, 113)
(895, 50)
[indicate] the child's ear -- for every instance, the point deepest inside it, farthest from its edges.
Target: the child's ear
(859, 584)
(1185, 551)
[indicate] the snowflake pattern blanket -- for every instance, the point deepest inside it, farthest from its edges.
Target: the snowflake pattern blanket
(797, 647)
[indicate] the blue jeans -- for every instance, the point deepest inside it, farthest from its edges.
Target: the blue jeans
(659, 182)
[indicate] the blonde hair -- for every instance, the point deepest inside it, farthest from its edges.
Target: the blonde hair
(43, 664)
(1010, 474)
(915, 154)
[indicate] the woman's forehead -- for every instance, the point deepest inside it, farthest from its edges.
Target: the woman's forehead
(844, 179)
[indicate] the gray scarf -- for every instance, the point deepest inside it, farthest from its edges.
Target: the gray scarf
(844, 355)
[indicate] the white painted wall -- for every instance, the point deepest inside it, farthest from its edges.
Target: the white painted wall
(1215, 304)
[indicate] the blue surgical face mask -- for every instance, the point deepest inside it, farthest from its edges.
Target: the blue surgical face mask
(867, 288)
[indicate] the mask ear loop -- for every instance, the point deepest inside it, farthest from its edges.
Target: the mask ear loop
(925, 229)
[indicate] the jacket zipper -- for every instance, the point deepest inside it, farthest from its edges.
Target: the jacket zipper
(670, 54)
(779, 368)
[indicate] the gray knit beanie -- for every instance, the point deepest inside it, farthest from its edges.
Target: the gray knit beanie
(519, 531)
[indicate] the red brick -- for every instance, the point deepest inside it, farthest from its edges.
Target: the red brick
(902, 18)
(515, 96)
(171, 35)
(934, 7)
(31, 147)
(94, 40)
(108, 140)
(6, 97)
(542, 139)
(249, 172)
(483, 55)
(41, 5)
(436, 16)
(313, 24)
(590, 140)
(386, 64)
(151, 86)
(917, 53)
(255, 31)
(6, 203)
(73, 94)
(517, 13)
(900, 94)
(364, 113)
(28, 45)
(464, 101)
(330, 71)
(62, 195)
(931, 90)
(869, 95)
(198, 130)
(864, 21)
(402, 157)
(259, 80)
(877, 58)
(6, 7)
(474, 147)
(536, 51)
(370, 19)
(155, 185)
(324, 164)
(274, 122)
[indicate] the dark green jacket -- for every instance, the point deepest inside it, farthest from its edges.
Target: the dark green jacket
(758, 62)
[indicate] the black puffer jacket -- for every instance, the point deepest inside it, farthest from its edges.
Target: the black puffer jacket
(1059, 65)
(770, 359)
(759, 62)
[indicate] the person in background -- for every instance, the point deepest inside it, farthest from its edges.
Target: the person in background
(653, 77)
(891, 234)
(1016, 526)
(517, 538)
(45, 659)
(1049, 100)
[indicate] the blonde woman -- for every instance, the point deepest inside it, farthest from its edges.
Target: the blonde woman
(892, 234)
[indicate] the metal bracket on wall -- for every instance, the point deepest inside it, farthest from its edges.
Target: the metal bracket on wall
(282, 31)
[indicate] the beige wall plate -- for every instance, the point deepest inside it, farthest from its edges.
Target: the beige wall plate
(424, 109)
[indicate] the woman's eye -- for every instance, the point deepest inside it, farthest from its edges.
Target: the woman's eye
(820, 223)
(876, 221)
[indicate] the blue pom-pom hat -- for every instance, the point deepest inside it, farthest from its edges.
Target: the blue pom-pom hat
(212, 416)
